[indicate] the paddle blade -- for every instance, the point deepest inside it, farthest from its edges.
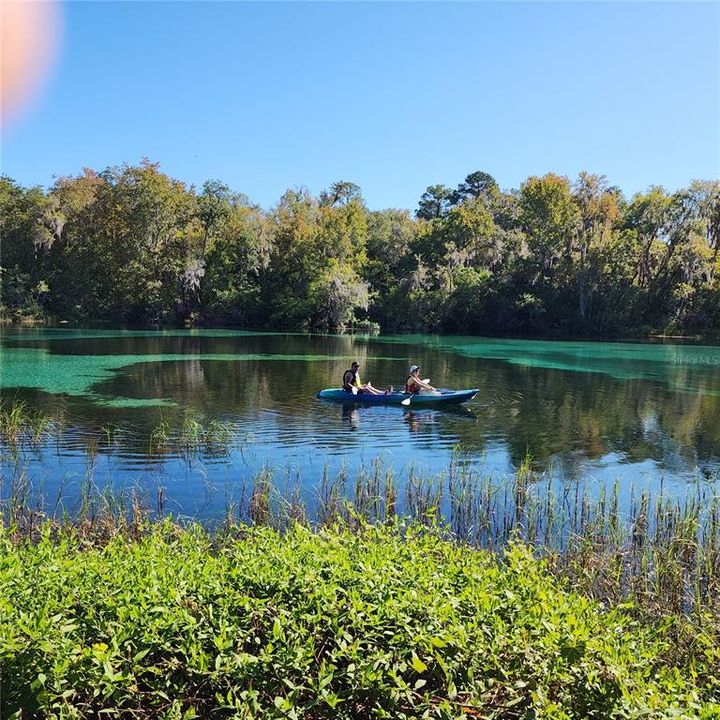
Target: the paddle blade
(405, 402)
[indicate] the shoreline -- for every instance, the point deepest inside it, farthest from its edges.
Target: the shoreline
(709, 336)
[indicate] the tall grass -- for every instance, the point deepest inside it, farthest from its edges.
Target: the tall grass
(650, 563)
(193, 437)
(22, 427)
(658, 550)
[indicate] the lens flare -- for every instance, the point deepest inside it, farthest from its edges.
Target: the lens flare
(29, 41)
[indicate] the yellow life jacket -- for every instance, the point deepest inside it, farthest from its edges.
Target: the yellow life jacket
(356, 382)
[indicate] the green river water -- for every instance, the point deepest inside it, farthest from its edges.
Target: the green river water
(641, 412)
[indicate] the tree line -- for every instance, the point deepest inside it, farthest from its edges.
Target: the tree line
(132, 245)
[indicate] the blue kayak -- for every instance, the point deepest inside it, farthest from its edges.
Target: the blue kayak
(446, 397)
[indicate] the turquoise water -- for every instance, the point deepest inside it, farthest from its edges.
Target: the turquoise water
(645, 413)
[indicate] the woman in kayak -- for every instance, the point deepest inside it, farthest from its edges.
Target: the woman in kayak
(352, 383)
(415, 385)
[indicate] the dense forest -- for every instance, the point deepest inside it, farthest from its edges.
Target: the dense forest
(133, 245)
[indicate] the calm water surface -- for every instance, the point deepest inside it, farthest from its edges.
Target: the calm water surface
(639, 412)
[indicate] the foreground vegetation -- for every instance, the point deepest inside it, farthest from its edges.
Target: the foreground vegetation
(656, 548)
(130, 244)
(395, 622)
(456, 595)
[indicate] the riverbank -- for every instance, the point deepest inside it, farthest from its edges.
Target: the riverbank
(479, 262)
(708, 335)
(618, 541)
(164, 621)
(567, 600)
(548, 609)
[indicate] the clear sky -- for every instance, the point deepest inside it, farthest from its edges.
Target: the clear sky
(394, 97)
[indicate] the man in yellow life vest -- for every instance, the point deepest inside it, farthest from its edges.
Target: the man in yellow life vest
(352, 383)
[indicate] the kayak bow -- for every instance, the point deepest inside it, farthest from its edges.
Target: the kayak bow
(446, 397)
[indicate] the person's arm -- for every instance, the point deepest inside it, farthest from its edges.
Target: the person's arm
(419, 383)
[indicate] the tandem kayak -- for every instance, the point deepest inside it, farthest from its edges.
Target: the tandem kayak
(446, 397)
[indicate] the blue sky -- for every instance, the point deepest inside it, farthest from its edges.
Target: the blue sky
(394, 97)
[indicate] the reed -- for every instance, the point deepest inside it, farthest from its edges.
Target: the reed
(193, 437)
(332, 494)
(661, 551)
(615, 543)
(658, 557)
(21, 427)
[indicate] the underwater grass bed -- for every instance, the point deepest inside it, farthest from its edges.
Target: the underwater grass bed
(385, 621)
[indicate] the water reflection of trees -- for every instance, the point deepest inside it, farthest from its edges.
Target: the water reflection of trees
(548, 413)
(204, 342)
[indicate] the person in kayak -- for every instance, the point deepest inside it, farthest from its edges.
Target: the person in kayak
(352, 383)
(415, 385)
